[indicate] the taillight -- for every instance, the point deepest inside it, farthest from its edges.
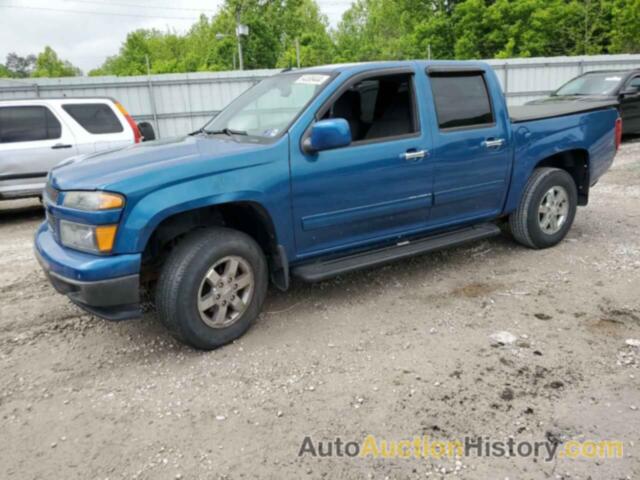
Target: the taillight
(136, 133)
(618, 132)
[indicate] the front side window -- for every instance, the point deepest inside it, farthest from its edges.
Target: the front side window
(94, 117)
(377, 107)
(267, 110)
(461, 100)
(634, 83)
(28, 124)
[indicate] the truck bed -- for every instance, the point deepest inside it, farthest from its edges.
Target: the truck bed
(526, 113)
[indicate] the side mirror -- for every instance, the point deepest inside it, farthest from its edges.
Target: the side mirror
(328, 134)
(147, 131)
(630, 91)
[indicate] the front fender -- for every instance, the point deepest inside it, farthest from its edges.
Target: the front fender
(138, 226)
(266, 185)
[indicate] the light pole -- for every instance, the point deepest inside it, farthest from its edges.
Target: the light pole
(241, 30)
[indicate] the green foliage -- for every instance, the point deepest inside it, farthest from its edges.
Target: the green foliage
(17, 66)
(48, 64)
(625, 35)
(388, 29)
(211, 43)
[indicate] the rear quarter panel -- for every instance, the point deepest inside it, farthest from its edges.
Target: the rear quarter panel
(537, 140)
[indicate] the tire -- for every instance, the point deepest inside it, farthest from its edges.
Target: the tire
(534, 227)
(183, 291)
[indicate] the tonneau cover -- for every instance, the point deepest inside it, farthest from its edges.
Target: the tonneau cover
(560, 108)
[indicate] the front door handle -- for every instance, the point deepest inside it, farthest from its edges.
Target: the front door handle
(493, 142)
(414, 155)
(60, 145)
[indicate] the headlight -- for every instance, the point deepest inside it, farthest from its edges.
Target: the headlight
(88, 238)
(92, 201)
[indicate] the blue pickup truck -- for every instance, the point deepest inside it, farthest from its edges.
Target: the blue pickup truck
(313, 173)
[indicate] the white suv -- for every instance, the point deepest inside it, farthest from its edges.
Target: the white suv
(37, 134)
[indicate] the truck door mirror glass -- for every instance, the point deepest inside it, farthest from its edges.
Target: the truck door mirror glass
(328, 134)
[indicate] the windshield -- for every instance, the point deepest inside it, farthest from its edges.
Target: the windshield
(591, 84)
(267, 109)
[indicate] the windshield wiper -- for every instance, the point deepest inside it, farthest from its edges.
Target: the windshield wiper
(226, 131)
(196, 132)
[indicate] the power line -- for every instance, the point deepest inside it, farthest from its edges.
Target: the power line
(155, 6)
(87, 12)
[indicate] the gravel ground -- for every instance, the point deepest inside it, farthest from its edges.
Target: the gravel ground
(396, 352)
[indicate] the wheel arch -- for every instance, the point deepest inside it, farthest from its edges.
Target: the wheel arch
(576, 163)
(247, 216)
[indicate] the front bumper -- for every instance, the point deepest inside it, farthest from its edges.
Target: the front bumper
(106, 286)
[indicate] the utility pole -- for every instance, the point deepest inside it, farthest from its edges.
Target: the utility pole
(152, 97)
(298, 51)
(586, 26)
(239, 27)
(429, 51)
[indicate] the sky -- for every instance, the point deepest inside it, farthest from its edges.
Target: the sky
(86, 39)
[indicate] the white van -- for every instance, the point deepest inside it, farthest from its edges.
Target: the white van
(37, 134)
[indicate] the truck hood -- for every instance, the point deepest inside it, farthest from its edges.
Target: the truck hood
(148, 163)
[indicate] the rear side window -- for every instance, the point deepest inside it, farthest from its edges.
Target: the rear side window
(94, 117)
(28, 124)
(462, 100)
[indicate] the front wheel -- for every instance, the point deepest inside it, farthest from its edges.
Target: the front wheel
(547, 209)
(212, 287)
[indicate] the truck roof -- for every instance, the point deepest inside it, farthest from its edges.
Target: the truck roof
(364, 66)
(56, 99)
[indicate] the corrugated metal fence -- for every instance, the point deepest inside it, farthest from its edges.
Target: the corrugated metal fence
(179, 103)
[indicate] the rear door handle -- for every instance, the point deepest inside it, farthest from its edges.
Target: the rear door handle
(414, 155)
(493, 142)
(57, 146)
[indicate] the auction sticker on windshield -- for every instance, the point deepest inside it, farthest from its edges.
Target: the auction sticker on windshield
(312, 79)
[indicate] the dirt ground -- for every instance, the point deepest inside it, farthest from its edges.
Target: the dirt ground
(395, 352)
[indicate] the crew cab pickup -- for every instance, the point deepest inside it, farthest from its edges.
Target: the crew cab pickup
(314, 173)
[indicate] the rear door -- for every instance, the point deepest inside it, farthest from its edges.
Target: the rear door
(471, 154)
(97, 124)
(630, 106)
(32, 141)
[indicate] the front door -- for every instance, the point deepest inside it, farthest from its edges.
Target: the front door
(471, 154)
(630, 107)
(377, 187)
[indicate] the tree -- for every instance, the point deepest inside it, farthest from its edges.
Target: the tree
(48, 64)
(20, 67)
(625, 35)
(302, 21)
(470, 30)
(4, 72)
(383, 30)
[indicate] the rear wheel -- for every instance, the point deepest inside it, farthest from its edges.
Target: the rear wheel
(212, 287)
(547, 209)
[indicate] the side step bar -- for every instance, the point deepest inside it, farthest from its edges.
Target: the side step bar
(313, 272)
